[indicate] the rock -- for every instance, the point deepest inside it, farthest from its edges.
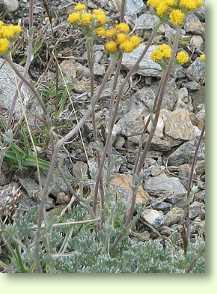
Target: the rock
(123, 182)
(196, 71)
(193, 25)
(165, 231)
(10, 195)
(11, 5)
(197, 43)
(58, 183)
(164, 186)
(146, 21)
(200, 168)
(163, 206)
(132, 123)
(133, 7)
(159, 144)
(153, 217)
(107, 92)
(193, 85)
(179, 125)
(33, 191)
(184, 173)
(174, 216)
(147, 95)
(200, 196)
(119, 143)
(169, 31)
(184, 100)
(155, 170)
(99, 69)
(8, 88)
(197, 209)
(147, 66)
(185, 153)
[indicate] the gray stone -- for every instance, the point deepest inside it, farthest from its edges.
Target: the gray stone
(147, 66)
(185, 153)
(193, 86)
(197, 42)
(193, 25)
(99, 69)
(174, 216)
(33, 191)
(153, 217)
(11, 5)
(132, 123)
(196, 71)
(147, 95)
(8, 87)
(179, 125)
(184, 100)
(133, 7)
(146, 21)
(58, 183)
(164, 186)
(197, 209)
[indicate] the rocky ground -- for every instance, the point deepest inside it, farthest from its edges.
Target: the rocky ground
(167, 168)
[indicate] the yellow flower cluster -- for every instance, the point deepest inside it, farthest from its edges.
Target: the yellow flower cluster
(182, 57)
(162, 53)
(81, 16)
(8, 33)
(190, 4)
(118, 38)
(202, 57)
(174, 10)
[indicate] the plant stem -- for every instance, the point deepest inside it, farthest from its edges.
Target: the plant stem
(187, 217)
(142, 157)
(115, 111)
(59, 144)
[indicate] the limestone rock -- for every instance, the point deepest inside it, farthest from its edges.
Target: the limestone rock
(174, 216)
(164, 186)
(179, 125)
(123, 182)
(153, 217)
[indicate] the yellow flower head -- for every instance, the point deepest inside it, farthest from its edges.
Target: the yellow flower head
(166, 50)
(127, 46)
(74, 17)
(162, 8)
(156, 55)
(80, 7)
(171, 2)
(121, 37)
(163, 51)
(135, 40)
(4, 46)
(86, 19)
(123, 28)
(100, 16)
(191, 4)
(100, 31)
(182, 57)
(9, 31)
(153, 3)
(110, 33)
(111, 46)
(202, 57)
(177, 17)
